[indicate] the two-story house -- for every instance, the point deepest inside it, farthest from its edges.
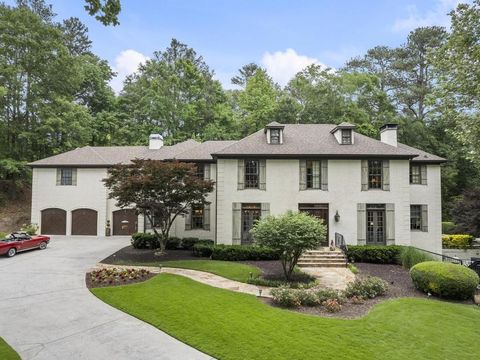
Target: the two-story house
(370, 191)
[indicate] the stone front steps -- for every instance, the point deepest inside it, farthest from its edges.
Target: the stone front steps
(322, 258)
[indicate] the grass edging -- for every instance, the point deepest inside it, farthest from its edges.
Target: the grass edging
(7, 352)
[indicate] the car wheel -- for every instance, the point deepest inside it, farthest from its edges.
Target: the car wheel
(43, 245)
(11, 252)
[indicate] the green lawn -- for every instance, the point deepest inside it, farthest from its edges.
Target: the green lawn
(227, 269)
(229, 325)
(6, 352)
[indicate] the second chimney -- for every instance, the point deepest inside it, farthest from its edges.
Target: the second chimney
(388, 134)
(155, 141)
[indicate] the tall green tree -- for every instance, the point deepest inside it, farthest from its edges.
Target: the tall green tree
(175, 94)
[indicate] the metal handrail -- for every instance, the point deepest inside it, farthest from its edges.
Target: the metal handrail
(445, 258)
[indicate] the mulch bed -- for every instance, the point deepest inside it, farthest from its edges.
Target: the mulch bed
(129, 254)
(90, 284)
(400, 285)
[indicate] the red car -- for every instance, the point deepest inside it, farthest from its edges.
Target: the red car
(16, 242)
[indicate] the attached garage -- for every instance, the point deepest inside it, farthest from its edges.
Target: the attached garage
(84, 222)
(124, 222)
(53, 222)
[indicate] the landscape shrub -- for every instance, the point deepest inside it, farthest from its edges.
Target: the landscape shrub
(307, 297)
(285, 297)
(144, 241)
(3, 235)
(352, 268)
(357, 300)
(173, 243)
(188, 242)
(30, 229)
(325, 294)
(202, 250)
(448, 227)
(367, 288)
(374, 254)
(411, 256)
(242, 253)
(117, 276)
(457, 241)
(445, 279)
(332, 305)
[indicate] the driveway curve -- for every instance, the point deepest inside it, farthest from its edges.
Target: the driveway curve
(48, 313)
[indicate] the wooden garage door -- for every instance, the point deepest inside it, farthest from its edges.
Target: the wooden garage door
(84, 222)
(53, 222)
(124, 222)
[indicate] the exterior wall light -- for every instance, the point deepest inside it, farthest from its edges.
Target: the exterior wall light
(336, 216)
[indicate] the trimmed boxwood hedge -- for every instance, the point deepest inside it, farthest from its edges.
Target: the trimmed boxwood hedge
(445, 279)
(457, 241)
(148, 241)
(235, 252)
(374, 254)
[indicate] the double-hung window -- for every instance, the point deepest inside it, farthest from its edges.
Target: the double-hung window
(375, 174)
(313, 174)
(252, 172)
(66, 176)
(419, 217)
(197, 217)
(346, 136)
(418, 174)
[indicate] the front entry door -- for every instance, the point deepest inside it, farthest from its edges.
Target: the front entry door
(376, 224)
(250, 214)
(320, 211)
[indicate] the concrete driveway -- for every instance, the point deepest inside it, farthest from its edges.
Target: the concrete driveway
(48, 313)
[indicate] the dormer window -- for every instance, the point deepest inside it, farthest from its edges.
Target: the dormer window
(344, 133)
(274, 136)
(274, 133)
(346, 136)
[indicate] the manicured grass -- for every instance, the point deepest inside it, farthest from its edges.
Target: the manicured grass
(6, 352)
(227, 269)
(229, 325)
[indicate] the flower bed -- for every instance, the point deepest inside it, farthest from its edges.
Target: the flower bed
(116, 276)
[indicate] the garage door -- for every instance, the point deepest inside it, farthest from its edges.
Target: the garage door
(84, 222)
(124, 222)
(53, 222)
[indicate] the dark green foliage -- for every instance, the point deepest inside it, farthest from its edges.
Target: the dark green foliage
(188, 242)
(466, 212)
(445, 279)
(374, 254)
(150, 241)
(234, 252)
(448, 227)
(368, 288)
(410, 256)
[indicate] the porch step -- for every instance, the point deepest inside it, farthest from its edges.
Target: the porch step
(322, 258)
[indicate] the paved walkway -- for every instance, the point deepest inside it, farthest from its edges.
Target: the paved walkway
(48, 313)
(334, 278)
(331, 277)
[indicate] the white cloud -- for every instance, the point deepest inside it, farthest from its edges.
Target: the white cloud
(436, 16)
(126, 63)
(283, 65)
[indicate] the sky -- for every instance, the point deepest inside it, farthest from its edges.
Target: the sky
(282, 36)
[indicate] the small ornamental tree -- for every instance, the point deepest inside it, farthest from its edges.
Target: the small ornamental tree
(158, 189)
(290, 234)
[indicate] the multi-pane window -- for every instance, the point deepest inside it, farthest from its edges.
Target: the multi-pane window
(197, 217)
(415, 217)
(418, 174)
(66, 176)
(313, 174)
(346, 136)
(375, 174)
(274, 136)
(200, 171)
(252, 174)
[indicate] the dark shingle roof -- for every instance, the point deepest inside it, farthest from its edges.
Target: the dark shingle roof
(299, 140)
(313, 140)
(423, 156)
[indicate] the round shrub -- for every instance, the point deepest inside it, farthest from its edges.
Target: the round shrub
(368, 288)
(444, 279)
(285, 297)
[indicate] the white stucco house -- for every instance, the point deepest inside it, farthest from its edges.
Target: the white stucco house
(370, 191)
